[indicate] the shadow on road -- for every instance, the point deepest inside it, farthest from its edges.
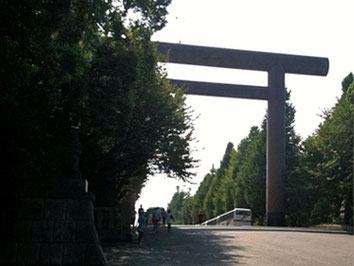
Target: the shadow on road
(179, 247)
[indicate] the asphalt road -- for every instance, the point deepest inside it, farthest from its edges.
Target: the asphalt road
(193, 245)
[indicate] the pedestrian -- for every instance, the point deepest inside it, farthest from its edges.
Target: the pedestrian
(155, 218)
(141, 228)
(169, 219)
(141, 210)
(201, 217)
(164, 215)
(132, 217)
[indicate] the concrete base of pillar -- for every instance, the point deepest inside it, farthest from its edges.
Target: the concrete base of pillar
(55, 231)
(276, 219)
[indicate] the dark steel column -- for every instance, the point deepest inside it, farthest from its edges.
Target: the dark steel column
(275, 147)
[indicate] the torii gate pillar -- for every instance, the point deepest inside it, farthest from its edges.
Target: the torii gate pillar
(275, 147)
(277, 65)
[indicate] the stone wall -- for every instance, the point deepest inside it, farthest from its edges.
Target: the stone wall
(55, 231)
(112, 225)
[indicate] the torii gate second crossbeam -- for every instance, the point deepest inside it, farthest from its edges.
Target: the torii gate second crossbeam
(277, 65)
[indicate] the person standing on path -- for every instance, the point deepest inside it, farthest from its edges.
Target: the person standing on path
(132, 217)
(141, 228)
(201, 217)
(156, 218)
(169, 219)
(164, 215)
(141, 210)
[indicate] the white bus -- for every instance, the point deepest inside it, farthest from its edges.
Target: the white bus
(235, 217)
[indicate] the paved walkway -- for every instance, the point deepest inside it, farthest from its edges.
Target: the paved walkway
(190, 245)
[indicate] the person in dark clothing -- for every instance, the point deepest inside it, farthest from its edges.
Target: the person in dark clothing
(201, 217)
(169, 219)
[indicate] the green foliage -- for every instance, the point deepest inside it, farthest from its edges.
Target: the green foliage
(346, 83)
(212, 202)
(153, 12)
(295, 190)
(89, 66)
(186, 211)
(200, 195)
(175, 206)
(328, 160)
(227, 193)
(208, 205)
(321, 211)
(239, 160)
(252, 175)
(46, 48)
(214, 189)
(350, 94)
(143, 126)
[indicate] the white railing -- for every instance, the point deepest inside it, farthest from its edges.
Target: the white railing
(231, 218)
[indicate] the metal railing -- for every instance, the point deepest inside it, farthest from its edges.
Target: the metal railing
(228, 218)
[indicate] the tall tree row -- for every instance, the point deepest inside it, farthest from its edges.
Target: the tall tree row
(328, 162)
(318, 172)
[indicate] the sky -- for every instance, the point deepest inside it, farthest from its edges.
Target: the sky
(303, 27)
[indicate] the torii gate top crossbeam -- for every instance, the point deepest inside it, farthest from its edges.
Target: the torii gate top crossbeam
(242, 59)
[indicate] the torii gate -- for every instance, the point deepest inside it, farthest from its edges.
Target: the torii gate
(276, 65)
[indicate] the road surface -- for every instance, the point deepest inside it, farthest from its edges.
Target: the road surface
(193, 245)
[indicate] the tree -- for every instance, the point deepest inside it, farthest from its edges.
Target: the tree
(346, 83)
(335, 142)
(186, 211)
(47, 53)
(214, 198)
(208, 204)
(296, 211)
(175, 206)
(200, 195)
(143, 128)
(328, 160)
(45, 62)
(239, 170)
(85, 68)
(252, 174)
(227, 192)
